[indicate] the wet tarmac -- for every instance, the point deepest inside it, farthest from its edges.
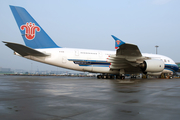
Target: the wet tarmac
(76, 98)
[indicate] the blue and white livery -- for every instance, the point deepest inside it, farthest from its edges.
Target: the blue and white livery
(127, 59)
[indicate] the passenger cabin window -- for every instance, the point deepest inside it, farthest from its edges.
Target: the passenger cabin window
(88, 53)
(61, 51)
(164, 60)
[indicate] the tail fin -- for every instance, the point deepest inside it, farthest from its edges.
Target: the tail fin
(34, 36)
(118, 42)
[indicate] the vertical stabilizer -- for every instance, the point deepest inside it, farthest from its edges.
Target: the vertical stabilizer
(33, 35)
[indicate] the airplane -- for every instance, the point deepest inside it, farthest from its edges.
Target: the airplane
(126, 59)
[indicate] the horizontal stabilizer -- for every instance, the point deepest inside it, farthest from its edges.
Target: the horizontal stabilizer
(24, 50)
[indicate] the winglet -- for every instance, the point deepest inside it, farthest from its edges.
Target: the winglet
(118, 42)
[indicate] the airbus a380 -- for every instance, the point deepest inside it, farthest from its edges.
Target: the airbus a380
(127, 59)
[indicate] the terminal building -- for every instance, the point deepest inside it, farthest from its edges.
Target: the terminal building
(5, 70)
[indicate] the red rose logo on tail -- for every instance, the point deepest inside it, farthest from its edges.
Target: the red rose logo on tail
(118, 41)
(30, 30)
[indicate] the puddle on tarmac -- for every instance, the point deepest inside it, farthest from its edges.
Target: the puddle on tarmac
(126, 111)
(128, 91)
(132, 101)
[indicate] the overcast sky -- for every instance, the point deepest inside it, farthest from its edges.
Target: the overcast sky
(90, 24)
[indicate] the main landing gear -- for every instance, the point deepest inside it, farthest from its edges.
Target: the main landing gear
(109, 76)
(105, 76)
(122, 77)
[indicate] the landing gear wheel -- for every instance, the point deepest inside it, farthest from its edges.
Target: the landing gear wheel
(104, 77)
(99, 76)
(109, 77)
(118, 77)
(133, 77)
(122, 77)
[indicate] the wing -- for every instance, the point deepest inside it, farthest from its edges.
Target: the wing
(23, 50)
(128, 50)
(128, 57)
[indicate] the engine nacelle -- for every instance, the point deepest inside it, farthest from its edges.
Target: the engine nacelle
(152, 66)
(154, 73)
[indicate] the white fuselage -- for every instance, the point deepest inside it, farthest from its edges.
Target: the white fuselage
(62, 57)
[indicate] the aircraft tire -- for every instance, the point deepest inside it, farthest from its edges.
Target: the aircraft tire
(109, 77)
(99, 76)
(104, 77)
(118, 77)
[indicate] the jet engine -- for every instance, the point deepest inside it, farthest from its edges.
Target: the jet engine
(152, 67)
(154, 73)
